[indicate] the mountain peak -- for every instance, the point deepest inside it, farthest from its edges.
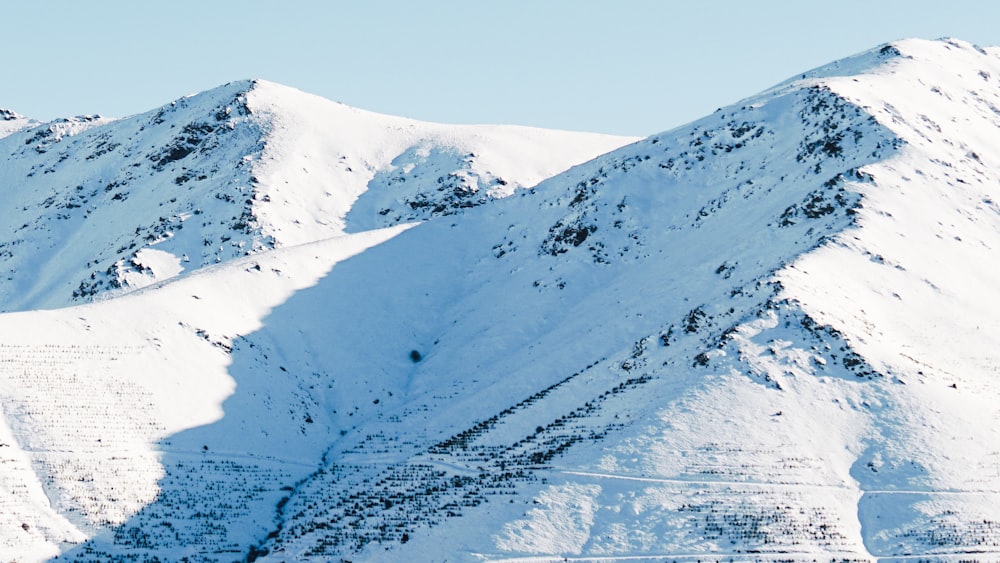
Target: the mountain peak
(235, 170)
(11, 121)
(9, 115)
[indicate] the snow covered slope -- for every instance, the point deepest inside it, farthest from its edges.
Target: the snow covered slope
(93, 205)
(769, 335)
(11, 121)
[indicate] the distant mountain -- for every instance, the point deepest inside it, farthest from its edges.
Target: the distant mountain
(11, 121)
(768, 335)
(96, 205)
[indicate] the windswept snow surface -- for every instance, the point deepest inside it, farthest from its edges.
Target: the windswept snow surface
(769, 335)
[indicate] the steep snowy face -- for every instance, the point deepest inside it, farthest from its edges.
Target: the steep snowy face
(96, 206)
(929, 223)
(92, 205)
(913, 290)
(321, 157)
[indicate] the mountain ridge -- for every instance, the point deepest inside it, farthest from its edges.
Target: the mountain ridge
(11, 121)
(191, 183)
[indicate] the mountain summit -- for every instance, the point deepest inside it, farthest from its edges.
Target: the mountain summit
(768, 335)
(11, 121)
(99, 206)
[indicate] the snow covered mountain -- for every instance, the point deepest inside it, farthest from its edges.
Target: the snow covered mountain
(768, 335)
(11, 121)
(94, 205)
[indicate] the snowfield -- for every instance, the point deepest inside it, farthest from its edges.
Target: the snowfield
(255, 325)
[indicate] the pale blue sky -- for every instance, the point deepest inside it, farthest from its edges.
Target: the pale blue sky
(629, 66)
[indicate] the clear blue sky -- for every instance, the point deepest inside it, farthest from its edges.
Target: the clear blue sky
(626, 66)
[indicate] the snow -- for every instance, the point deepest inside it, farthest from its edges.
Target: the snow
(151, 265)
(333, 154)
(767, 335)
(230, 172)
(560, 524)
(11, 122)
(105, 452)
